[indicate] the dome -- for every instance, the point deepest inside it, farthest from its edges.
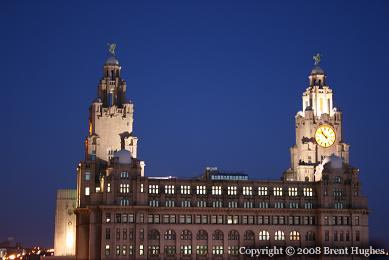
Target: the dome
(335, 161)
(112, 60)
(317, 71)
(124, 156)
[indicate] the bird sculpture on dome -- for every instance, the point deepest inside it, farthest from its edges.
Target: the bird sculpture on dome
(111, 48)
(317, 58)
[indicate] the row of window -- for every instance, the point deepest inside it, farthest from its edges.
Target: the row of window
(203, 235)
(170, 250)
(214, 219)
(231, 219)
(229, 204)
(231, 190)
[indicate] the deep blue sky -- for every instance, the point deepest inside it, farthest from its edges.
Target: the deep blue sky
(215, 83)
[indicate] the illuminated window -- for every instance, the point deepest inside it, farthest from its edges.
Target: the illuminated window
(186, 249)
(277, 191)
(200, 190)
(141, 250)
(231, 190)
(153, 189)
(169, 189)
(87, 176)
(264, 235)
(107, 250)
(201, 250)
(185, 189)
(108, 218)
(216, 190)
(279, 235)
(248, 191)
(124, 188)
(308, 192)
(87, 191)
(262, 191)
(217, 250)
(233, 250)
(153, 250)
(124, 250)
(108, 187)
(118, 250)
(141, 187)
(292, 191)
(294, 236)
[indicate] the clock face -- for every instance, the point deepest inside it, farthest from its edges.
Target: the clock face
(325, 136)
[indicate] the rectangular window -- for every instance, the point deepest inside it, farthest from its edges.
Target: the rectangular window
(169, 189)
(169, 203)
(107, 250)
(186, 249)
(216, 190)
(231, 190)
(262, 191)
(277, 191)
(201, 190)
(153, 189)
(308, 192)
(356, 220)
(141, 188)
(87, 176)
(232, 204)
(87, 191)
(107, 233)
(141, 250)
(292, 191)
(108, 187)
(248, 191)
(185, 189)
(108, 218)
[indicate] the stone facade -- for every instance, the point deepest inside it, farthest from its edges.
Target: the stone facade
(65, 223)
(121, 213)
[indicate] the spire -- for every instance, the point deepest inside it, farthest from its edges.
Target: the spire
(112, 88)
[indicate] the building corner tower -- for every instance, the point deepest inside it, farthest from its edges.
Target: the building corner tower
(110, 142)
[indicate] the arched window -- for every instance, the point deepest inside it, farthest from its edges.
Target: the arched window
(170, 235)
(233, 235)
(294, 235)
(153, 234)
(217, 235)
(279, 235)
(202, 235)
(186, 235)
(249, 235)
(264, 235)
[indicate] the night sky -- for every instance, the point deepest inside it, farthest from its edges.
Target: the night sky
(214, 83)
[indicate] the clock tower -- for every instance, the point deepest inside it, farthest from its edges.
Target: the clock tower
(318, 130)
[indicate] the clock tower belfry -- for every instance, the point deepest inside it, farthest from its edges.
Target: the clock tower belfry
(318, 130)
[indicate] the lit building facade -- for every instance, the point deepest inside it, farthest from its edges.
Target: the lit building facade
(65, 223)
(121, 213)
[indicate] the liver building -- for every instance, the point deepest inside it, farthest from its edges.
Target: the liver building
(121, 213)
